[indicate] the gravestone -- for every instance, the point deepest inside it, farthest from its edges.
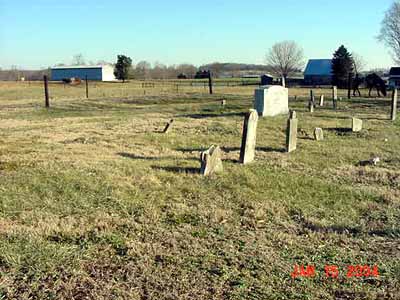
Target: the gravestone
(334, 97)
(321, 100)
(311, 106)
(291, 132)
(168, 126)
(223, 102)
(394, 105)
(271, 101)
(318, 134)
(357, 125)
(248, 149)
(211, 162)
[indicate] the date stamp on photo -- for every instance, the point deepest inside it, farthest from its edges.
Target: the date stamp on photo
(334, 271)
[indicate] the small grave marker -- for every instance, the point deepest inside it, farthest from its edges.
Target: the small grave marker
(291, 132)
(321, 100)
(211, 162)
(357, 125)
(394, 105)
(248, 149)
(318, 134)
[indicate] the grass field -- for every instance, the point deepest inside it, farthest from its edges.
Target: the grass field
(96, 203)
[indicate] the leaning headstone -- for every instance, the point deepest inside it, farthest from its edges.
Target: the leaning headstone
(271, 101)
(248, 149)
(291, 132)
(318, 134)
(168, 126)
(321, 100)
(211, 162)
(394, 105)
(357, 125)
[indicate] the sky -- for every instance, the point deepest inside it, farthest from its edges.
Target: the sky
(41, 33)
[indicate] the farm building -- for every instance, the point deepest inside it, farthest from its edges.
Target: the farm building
(394, 77)
(318, 72)
(98, 73)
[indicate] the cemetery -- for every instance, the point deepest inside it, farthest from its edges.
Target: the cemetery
(217, 196)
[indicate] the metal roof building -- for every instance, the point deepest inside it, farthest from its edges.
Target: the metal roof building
(318, 72)
(98, 73)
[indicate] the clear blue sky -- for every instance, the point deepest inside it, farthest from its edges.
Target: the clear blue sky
(41, 33)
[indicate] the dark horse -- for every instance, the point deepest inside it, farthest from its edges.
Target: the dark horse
(371, 81)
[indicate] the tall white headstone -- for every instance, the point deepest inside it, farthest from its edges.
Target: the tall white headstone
(271, 101)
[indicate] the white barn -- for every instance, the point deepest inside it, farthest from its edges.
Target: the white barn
(98, 73)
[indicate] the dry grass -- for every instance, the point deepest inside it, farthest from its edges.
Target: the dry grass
(96, 203)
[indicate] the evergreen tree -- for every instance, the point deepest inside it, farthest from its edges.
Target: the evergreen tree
(123, 67)
(342, 65)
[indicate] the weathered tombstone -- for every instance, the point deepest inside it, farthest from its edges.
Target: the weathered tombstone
(223, 102)
(271, 101)
(168, 126)
(357, 125)
(211, 162)
(311, 106)
(394, 105)
(318, 134)
(321, 100)
(334, 97)
(248, 149)
(291, 132)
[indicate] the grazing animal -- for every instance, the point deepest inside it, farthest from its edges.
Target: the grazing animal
(356, 85)
(374, 81)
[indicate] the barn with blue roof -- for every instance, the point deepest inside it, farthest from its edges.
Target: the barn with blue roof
(318, 72)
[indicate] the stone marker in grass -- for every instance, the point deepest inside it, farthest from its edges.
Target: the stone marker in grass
(321, 100)
(334, 97)
(318, 134)
(168, 126)
(248, 149)
(357, 125)
(291, 132)
(270, 101)
(211, 162)
(223, 102)
(394, 105)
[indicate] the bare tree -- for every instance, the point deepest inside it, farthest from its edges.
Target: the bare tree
(390, 30)
(358, 62)
(142, 70)
(78, 60)
(285, 58)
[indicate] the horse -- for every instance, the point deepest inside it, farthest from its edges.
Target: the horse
(374, 81)
(371, 81)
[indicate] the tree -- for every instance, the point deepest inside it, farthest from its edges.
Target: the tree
(123, 67)
(78, 60)
(358, 63)
(390, 30)
(342, 65)
(142, 70)
(285, 58)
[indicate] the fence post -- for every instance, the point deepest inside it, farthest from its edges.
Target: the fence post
(46, 91)
(210, 84)
(87, 88)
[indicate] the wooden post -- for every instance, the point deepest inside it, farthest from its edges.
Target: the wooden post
(349, 85)
(394, 105)
(46, 91)
(87, 88)
(210, 85)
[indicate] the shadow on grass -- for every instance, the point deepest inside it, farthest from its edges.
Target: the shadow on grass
(179, 170)
(232, 149)
(208, 115)
(151, 158)
(354, 231)
(339, 130)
